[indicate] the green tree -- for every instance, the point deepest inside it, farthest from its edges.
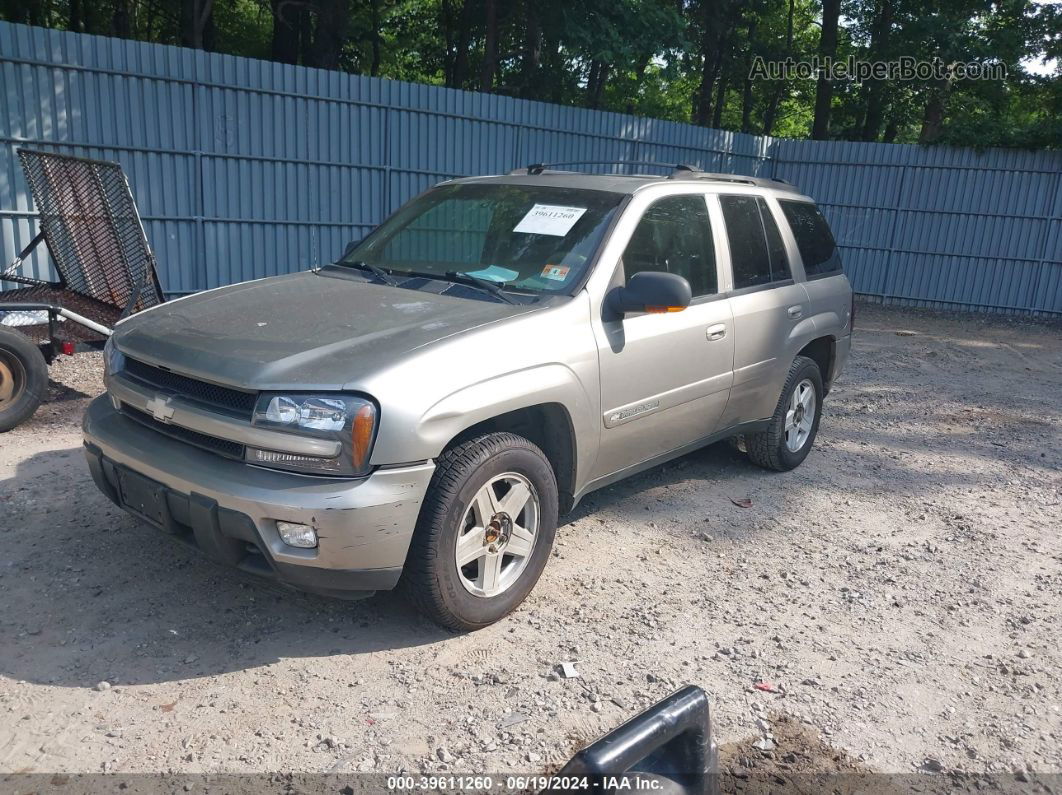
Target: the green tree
(683, 60)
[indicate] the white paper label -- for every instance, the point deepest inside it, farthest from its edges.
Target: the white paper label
(549, 219)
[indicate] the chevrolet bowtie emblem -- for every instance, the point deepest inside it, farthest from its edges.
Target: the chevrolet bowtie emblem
(159, 407)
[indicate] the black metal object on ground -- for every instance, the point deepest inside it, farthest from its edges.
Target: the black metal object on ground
(667, 748)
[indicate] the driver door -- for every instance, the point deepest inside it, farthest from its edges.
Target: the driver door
(665, 378)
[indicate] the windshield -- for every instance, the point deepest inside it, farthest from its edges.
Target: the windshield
(536, 239)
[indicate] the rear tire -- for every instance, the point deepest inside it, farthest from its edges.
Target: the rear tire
(23, 378)
(476, 511)
(792, 429)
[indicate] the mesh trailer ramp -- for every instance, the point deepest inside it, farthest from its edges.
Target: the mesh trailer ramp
(106, 272)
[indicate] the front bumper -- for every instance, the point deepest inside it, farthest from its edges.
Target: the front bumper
(229, 509)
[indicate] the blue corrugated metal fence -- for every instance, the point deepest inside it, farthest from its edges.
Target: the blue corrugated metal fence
(244, 168)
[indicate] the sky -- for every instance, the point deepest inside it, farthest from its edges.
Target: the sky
(1037, 66)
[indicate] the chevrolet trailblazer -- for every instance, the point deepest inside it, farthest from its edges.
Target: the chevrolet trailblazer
(421, 412)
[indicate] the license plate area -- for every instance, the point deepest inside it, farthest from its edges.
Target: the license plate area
(142, 496)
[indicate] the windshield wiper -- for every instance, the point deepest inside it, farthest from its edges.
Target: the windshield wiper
(486, 285)
(375, 270)
(492, 287)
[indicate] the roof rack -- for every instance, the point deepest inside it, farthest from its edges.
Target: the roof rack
(534, 169)
(683, 171)
(678, 171)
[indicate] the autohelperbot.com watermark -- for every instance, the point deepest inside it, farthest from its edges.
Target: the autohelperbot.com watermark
(851, 68)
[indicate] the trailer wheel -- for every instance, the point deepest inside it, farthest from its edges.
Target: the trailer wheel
(23, 378)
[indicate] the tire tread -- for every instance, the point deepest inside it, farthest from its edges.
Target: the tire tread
(36, 378)
(764, 448)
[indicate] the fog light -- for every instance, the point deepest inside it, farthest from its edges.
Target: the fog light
(297, 535)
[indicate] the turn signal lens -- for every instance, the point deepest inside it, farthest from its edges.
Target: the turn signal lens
(293, 460)
(660, 309)
(361, 435)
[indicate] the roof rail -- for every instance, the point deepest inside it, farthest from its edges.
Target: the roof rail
(535, 169)
(692, 172)
(678, 171)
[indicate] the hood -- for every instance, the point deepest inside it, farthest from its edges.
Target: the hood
(307, 330)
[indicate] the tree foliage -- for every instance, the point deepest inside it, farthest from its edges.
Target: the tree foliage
(683, 60)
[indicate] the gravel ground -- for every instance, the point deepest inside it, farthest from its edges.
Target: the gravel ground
(897, 599)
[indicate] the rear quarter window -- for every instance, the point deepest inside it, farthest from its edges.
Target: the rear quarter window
(757, 255)
(813, 238)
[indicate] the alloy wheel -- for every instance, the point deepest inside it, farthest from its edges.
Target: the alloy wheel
(497, 536)
(800, 416)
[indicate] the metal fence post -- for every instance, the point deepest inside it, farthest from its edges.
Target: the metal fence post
(198, 203)
(386, 166)
(1052, 213)
(887, 280)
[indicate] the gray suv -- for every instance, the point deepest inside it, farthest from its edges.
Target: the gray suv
(421, 412)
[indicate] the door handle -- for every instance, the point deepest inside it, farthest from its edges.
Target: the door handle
(716, 332)
(796, 311)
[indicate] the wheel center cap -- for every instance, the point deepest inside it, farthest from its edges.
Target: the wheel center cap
(498, 529)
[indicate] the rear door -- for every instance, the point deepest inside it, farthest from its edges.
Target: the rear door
(665, 378)
(771, 312)
(828, 288)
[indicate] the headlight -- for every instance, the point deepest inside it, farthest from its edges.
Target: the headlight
(113, 359)
(349, 420)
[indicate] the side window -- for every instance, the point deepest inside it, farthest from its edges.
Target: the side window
(775, 247)
(813, 238)
(675, 236)
(757, 253)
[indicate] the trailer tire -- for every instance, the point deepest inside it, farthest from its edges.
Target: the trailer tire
(23, 378)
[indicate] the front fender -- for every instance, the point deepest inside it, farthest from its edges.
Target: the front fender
(428, 399)
(471, 405)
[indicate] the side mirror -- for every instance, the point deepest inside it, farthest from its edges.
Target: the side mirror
(651, 291)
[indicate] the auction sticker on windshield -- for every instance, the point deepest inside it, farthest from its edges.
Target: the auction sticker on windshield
(549, 219)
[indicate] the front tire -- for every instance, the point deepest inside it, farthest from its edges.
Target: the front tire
(792, 429)
(485, 531)
(23, 378)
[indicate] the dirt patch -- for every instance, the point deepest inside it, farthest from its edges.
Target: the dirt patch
(787, 754)
(791, 756)
(900, 589)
